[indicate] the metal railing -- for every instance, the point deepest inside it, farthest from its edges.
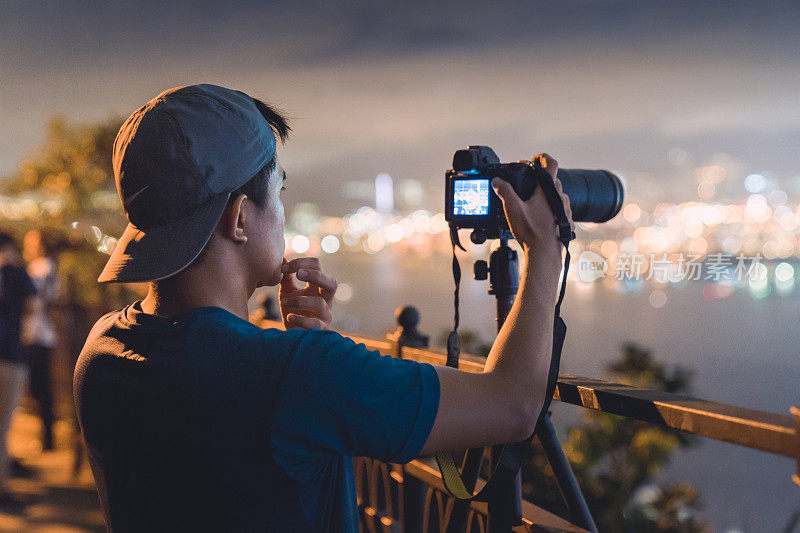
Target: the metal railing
(412, 498)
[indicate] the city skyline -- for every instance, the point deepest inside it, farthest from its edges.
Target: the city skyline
(384, 89)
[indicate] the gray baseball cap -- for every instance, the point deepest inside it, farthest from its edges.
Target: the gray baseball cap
(176, 160)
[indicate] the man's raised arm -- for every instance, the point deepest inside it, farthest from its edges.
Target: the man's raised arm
(503, 403)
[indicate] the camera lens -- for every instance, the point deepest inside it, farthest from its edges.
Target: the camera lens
(594, 195)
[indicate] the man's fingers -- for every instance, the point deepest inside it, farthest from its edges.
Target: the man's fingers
(548, 163)
(567, 208)
(301, 263)
(309, 270)
(298, 321)
(513, 206)
(506, 192)
(327, 284)
(313, 304)
(565, 201)
(288, 284)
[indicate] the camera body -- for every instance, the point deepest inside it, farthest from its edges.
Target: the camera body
(470, 202)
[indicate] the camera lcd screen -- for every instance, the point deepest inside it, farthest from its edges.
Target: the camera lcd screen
(471, 197)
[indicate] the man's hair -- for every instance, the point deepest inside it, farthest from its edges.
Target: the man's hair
(7, 241)
(257, 187)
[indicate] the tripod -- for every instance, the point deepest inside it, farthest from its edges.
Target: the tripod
(505, 508)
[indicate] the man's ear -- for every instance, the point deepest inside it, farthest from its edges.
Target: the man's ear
(235, 220)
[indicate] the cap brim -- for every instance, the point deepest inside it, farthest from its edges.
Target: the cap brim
(157, 253)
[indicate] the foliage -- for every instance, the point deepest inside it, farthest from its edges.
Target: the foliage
(68, 170)
(70, 178)
(615, 459)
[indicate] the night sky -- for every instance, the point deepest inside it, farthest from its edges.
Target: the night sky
(397, 87)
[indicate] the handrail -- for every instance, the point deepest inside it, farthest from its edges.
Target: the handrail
(760, 430)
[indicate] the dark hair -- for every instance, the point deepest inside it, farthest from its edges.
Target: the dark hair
(257, 187)
(6, 241)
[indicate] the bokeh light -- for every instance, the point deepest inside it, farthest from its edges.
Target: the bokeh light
(784, 272)
(658, 298)
(394, 232)
(344, 292)
(330, 244)
(706, 189)
(300, 244)
(755, 183)
(631, 212)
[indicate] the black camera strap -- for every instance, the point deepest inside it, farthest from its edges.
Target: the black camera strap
(512, 454)
(453, 342)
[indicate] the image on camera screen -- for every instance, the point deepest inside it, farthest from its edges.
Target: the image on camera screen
(471, 197)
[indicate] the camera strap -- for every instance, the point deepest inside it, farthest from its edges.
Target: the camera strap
(453, 342)
(513, 454)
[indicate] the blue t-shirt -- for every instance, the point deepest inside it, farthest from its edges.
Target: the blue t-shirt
(205, 422)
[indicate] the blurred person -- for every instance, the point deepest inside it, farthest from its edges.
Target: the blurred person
(197, 420)
(38, 326)
(265, 310)
(16, 291)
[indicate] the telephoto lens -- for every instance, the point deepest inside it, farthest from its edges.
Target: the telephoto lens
(594, 195)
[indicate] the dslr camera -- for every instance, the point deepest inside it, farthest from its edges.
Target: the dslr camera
(594, 195)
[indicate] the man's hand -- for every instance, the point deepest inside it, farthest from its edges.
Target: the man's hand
(532, 222)
(504, 402)
(308, 307)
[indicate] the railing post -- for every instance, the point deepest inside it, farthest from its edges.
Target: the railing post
(407, 334)
(414, 492)
(395, 348)
(796, 414)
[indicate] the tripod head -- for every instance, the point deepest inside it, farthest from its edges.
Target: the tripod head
(503, 275)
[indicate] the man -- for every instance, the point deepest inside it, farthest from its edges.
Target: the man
(196, 419)
(16, 290)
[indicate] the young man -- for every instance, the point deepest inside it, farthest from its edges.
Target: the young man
(197, 420)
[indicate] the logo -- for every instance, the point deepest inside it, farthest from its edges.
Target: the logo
(591, 266)
(132, 197)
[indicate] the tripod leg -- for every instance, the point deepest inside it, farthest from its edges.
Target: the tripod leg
(505, 511)
(565, 478)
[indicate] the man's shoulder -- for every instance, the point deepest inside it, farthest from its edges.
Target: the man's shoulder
(320, 341)
(103, 325)
(291, 341)
(204, 327)
(312, 350)
(209, 336)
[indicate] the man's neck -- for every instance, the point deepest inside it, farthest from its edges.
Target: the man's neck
(197, 287)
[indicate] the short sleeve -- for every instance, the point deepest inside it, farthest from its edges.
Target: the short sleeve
(340, 398)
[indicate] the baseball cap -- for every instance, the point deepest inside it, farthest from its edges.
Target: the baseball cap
(176, 160)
